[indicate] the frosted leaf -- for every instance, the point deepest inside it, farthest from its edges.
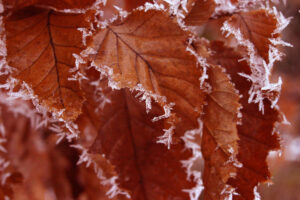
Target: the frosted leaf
(201, 61)
(261, 70)
(86, 158)
(256, 194)
(189, 139)
(224, 6)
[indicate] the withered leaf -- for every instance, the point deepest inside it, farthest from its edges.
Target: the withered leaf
(148, 49)
(199, 12)
(127, 137)
(40, 44)
(256, 131)
(258, 26)
(93, 189)
(220, 137)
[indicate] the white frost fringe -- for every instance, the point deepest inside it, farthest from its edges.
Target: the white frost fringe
(189, 141)
(107, 72)
(114, 188)
(260, 70)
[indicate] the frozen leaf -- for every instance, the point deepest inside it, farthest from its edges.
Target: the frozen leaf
(93, 189)
(256, 131)
(258, 27)
(220, 137)
(40, 44)
(126, 136)
(147, 52)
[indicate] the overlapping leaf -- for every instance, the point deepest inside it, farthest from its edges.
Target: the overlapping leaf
(220, 137)
(127, 137)
(256, 131)
(40, 44)
(258, 27)
(148, 50)
(142, 54)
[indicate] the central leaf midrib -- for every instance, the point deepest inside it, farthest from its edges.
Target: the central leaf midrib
(141, 181)
(55, 58)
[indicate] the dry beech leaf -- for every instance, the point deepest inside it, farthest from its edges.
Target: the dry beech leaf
(220, 137)
(256, 133)
(88, 176)
(127, 137)
(199, 12)
(93, 189)
(109, 9)
(40, 44)
(149, 49)
(258, 27)
(144, 53)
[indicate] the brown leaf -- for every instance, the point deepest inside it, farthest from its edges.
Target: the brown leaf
(93, 190)
(199, 12)
(127, 137)
(148, 49)
(40, 44)
(256, 133)
(258, 27)
(220, 137)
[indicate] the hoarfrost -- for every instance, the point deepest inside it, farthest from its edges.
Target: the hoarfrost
(76, 10)
(166, 138)
(256, 194)
(260, 69)
(190, 143)
(229, 191)
(201, 61)
(224, 6)
(112, 181)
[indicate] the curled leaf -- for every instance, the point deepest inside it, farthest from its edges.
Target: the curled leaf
(220, 137)
(127, 136)
(256, 131)
(147, 52)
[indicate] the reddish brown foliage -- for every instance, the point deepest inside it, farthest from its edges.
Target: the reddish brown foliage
(138, 97)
